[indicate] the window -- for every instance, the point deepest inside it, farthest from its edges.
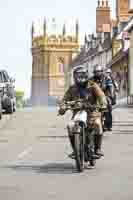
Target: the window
(1, 77)
(61, 65)
(5, 77)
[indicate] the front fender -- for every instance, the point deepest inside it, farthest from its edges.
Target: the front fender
(81, 117)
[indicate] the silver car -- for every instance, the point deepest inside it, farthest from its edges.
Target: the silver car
(7, 91)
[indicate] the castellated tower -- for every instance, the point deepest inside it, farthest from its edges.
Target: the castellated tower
(122, 8)
(51, 56)
(103, 18)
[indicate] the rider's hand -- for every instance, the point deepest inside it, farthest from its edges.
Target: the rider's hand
(92, 108)
(79, 105)
(62, 110)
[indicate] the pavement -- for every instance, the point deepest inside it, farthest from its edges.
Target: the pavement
(34, 161)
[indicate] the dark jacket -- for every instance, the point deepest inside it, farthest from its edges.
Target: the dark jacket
(95, 95)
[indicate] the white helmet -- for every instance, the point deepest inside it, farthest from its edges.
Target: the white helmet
(108, 71)
(98, 68)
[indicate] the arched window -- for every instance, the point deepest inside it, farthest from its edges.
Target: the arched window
(61, 65)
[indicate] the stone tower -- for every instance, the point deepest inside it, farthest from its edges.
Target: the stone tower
(51, 55)
(122, 8)
(103, 18)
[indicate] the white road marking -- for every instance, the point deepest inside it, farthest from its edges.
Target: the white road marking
(24, 153)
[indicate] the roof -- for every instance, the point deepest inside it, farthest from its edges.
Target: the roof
(78, 59)
(85, 56)
(119, 56)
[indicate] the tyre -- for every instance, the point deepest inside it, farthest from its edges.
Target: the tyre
(0, 110)
(79, 151)
(92, 163)
(14, 108)
(0, 116)
(9, 109)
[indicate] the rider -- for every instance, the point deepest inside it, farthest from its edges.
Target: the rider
(98, 75)
(111, 86)
(84, 88)
(106, 82)
(110, 89)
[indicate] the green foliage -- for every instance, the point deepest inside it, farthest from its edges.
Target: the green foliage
(19, 98)
(19, 94)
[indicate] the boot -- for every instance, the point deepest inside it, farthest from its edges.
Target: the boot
(72, 155)
(71, 138)
(98, 144)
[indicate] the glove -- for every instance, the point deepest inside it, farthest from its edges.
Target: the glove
(61, 111)
(79, 105)
(92, 108)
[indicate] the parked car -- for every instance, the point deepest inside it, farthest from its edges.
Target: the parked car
(0, 108)
(7, 91)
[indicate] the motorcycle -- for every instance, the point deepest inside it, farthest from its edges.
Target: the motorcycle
(84, 145)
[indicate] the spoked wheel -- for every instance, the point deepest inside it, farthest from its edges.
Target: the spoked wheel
(79, 151)
(9, 110)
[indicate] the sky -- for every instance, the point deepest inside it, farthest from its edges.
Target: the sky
(16, 18)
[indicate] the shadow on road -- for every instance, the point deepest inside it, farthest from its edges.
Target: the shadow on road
(119, 132)
(123, 122)
(125, 125)
(49, 168)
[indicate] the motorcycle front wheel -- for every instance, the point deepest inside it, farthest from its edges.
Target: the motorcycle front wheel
(79, 150)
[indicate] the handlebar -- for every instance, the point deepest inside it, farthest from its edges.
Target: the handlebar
(78, 105)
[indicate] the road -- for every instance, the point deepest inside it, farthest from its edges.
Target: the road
(34, 162)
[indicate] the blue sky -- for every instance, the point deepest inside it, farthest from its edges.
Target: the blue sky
(15, 20)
